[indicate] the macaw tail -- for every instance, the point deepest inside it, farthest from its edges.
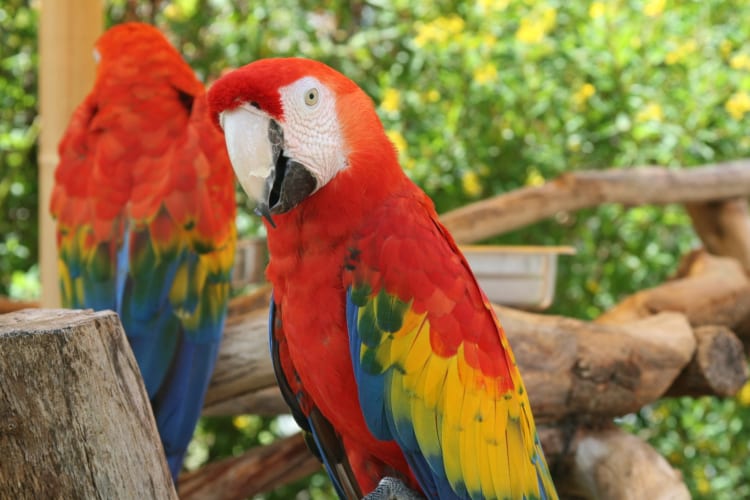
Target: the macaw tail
(178, 401)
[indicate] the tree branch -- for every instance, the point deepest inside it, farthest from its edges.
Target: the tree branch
(259, 469)
(709, 290)
(724, 228)
(577, 190)
(602, 369)
(608, 463)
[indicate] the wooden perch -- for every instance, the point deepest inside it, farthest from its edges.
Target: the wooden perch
(75, 419)
(8, 305)
(577, 190)
(709, 291)
(573, 367)
(257, 470)
(724, 228)
(611, 464)
(243, 366)
(718, 366)
(569, 366)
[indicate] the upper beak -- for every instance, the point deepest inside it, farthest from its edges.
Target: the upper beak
(250, 150)
(255, 143)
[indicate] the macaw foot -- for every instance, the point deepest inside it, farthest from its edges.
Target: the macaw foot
(390, 488)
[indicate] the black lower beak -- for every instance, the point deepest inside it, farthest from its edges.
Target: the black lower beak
(289, 183)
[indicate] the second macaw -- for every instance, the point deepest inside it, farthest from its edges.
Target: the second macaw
(145, 209)
(385, 347)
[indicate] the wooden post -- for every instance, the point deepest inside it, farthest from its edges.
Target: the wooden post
(75, 419)
(67, 32)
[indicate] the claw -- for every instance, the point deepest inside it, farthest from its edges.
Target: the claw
(391, 488)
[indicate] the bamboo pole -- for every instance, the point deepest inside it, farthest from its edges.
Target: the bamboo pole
(67, 33)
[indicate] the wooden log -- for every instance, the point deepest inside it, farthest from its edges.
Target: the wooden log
(9, 305)
(569, 366)
(76, 419)
(710, 291)
(577, 190)
(718, 366)
(243, 380)
(724, 228)
(610, 464)
(243, 365)
(719, 369)
(264, 401)
(573, 367)
(258, 470)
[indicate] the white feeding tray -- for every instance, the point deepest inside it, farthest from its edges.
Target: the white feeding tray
(517, 276)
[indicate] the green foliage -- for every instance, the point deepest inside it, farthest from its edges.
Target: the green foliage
(482, 98)
(18, 133)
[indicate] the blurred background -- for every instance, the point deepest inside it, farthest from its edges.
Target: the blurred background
(480, 98)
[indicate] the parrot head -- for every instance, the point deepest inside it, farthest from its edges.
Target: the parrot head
(291, 126)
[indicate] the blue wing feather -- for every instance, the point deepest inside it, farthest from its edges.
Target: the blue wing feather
(176, 361)
(380, 421)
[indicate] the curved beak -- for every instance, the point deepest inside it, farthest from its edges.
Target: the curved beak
(255, 143)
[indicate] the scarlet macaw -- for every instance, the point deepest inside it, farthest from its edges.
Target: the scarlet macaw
(385, 347)
(145, 209)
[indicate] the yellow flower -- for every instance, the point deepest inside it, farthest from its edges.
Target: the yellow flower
(596, 10)
(740, 61)
(584, 94)
(488, 40)
(486, 73)
(744, 395)
(241, 421)
(530, 32)
(492, 5)
(432, 95)
(391, 100)
(680, 52)
(533, 30)
(592, 286)
(725, 47)
(653, 8)
(534, 177)
(738, 104)
(397, 139)
(439, 31)
(470, 184)
(453, 24)
(650, 112)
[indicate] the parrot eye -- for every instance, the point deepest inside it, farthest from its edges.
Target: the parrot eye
(311, 97)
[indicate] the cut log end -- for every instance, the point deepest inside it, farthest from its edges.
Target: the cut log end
(82, 425)
(718, 366)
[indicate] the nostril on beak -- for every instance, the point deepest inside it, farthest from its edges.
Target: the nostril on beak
(255, 105)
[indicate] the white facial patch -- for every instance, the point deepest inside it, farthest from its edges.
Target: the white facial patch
(312, 133)
(246, 135)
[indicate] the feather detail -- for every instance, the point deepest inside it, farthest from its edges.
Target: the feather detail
(433, 369)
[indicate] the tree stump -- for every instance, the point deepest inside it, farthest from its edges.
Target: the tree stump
(75, 419)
